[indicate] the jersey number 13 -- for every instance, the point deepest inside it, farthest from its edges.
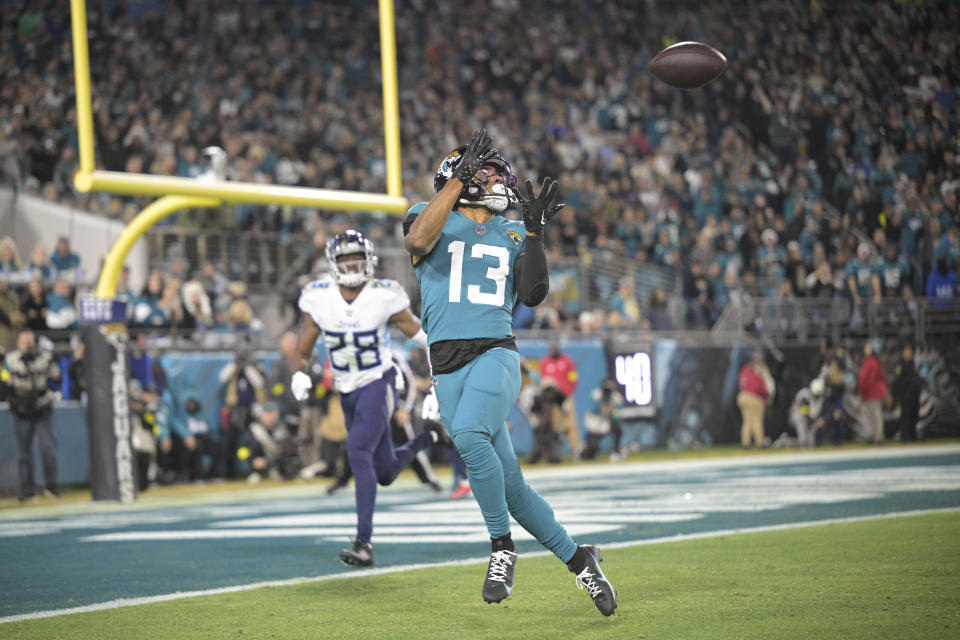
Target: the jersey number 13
(498, 273)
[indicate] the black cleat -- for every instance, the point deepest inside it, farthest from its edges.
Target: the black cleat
(360, 556)
(499, 582)
(442, 437)
(592, 578)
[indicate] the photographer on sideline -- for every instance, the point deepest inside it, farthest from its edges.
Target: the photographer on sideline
(28, 373)
(245, 386)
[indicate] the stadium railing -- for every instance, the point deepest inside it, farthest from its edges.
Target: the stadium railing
(805, 320)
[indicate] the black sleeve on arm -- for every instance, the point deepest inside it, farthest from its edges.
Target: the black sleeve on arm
(408, 222)
(533, 282)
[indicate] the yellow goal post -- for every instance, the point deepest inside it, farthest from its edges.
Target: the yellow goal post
(180, 193)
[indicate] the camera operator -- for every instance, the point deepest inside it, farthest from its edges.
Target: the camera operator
(27, 375)
(245, 387)
(604, 419)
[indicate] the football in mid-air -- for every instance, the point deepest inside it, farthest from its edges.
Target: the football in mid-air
(688, 65)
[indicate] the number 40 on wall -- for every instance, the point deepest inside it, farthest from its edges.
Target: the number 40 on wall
(635, 373)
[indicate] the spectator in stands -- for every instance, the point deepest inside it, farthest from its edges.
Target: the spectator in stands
(214, 282)
(61, 314)
(11, 318)
(241, 321)
(10, 172)
(872, 384)
(172, 308)
(769, 252)
(123, 290)
(893, 272)
(34, 306)
(820, 283)
(948, 247)
(795, 270)
(244, 387)
(836, 141)
(198, 312)
(625, 302)
(10, 262)
(863, 285)
(40, 265)
(28, 374)
(756, 392)
(63, 259)
(698, 294)
(147, 311)
(942, 285)
(658, 313)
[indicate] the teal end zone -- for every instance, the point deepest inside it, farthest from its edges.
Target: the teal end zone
(84, 555)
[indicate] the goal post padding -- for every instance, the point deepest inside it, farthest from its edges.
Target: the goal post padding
(112, 461)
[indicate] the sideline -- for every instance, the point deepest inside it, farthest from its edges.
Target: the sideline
(233, 492)
(180, 595)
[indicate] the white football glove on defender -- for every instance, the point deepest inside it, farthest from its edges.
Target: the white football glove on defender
(300, 385)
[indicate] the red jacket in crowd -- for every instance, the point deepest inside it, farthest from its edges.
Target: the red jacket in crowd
(562, 371)
(873, 380)
(752, 382)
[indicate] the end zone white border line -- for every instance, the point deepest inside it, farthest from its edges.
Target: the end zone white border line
(179, 595)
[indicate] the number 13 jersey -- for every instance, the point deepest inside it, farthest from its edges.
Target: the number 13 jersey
(355, 333)
(467, 280)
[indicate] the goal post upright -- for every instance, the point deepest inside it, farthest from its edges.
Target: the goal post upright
(391, 108)
(112, 464)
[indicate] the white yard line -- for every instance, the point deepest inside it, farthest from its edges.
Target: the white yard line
(316, 489)
(180, 595)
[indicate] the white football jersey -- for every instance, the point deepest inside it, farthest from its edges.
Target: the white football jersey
(355, 333)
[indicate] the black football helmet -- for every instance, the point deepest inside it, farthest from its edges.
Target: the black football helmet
(474, 193)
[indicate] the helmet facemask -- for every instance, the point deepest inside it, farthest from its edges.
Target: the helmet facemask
(350, 259)
(475, 193)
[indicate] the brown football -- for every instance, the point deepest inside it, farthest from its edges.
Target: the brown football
(688, 65)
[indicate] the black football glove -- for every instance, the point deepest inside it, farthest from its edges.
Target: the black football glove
(538, 210)
(477, 151)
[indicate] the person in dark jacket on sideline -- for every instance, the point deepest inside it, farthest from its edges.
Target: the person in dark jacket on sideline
(906, 391)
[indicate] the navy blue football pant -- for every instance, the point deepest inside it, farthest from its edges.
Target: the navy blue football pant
(370, 450)
(474, 402)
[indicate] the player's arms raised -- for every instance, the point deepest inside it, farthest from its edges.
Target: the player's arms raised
(409, 325)
(533, 282)
(425, 230)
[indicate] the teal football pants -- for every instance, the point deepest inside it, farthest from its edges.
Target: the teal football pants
(474, 402)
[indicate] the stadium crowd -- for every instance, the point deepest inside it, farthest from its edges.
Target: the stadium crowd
(827, 142)
(822, 165)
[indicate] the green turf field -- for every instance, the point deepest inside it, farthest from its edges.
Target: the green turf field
(886, 578)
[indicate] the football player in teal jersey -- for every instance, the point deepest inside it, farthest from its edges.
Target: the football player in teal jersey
(473, 265)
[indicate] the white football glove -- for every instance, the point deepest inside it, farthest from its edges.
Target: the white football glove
(300, 385)
(430, 409)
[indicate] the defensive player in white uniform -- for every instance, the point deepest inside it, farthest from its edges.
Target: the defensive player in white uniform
(352, 310)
